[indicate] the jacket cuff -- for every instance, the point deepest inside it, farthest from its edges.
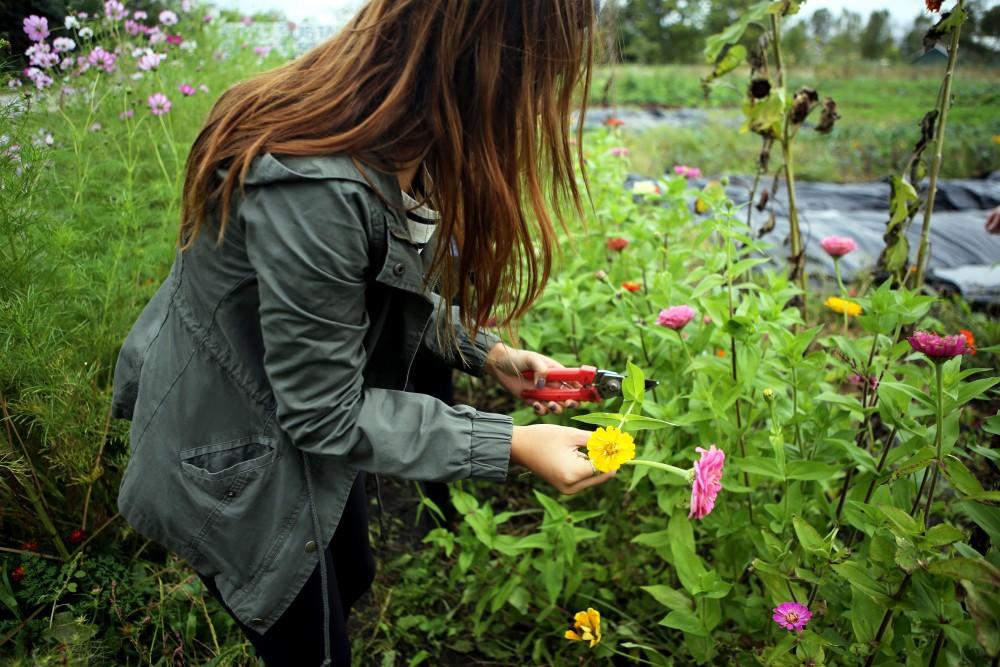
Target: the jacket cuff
(490, 450)
(475, 352)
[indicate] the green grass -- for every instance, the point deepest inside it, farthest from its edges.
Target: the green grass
(881, 109)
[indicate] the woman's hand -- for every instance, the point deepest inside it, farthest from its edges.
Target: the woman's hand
(553, 453)
(508, 364)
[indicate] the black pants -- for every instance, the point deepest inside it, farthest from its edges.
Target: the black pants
(297, 636)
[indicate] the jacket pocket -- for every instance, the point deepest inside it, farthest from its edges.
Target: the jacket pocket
(224, 460)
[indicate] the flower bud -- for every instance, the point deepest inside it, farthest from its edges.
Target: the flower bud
(769, 395)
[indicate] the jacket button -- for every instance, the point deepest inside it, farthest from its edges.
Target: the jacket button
(257, 621)
(398, 269)
(230, 494)
(310, 547)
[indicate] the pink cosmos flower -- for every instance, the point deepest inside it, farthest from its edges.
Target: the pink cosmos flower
(134, 28)
(40, 55)
(707, 481)
(247, 20)
(203, 88)
(38, 77)
(186, 90)
(167, 17)
(838, 246)
(675, 317)
(36, 27)
(262, 51)
(159, 104)
(125, 115)
(150, 61)
(140, 15)
(115, 10)
(103, 59)
(938, 347)
(618, 151)
(792, 616)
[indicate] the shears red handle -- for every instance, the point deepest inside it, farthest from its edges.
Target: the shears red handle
(584, 375)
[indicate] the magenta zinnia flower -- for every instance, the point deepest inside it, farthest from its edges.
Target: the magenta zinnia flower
(618, 151)
(36, 27)
(686, 171)
(838, 246)
(675, 318)
(707, 481)
(938, 347)
(158, 104)
(792, 616)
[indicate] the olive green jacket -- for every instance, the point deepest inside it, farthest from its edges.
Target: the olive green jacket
(268, 370)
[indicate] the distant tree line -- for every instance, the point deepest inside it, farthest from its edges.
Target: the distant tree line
(674, 31)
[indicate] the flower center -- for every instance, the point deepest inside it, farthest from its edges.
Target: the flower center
(791, 617)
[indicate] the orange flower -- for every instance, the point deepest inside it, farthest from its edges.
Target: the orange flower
(969, 339)
(614, 122)
(632, 286)
(933, 5)
(720, 353)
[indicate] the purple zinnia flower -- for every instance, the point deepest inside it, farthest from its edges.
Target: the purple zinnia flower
(792, 616)
(676, 317)
(938, 347)
(159, 104)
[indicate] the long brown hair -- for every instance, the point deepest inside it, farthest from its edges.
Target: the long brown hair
(479, 90)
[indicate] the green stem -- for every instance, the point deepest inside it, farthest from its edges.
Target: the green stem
(944, 104)
(687, 352)
(938, 462)
(680, 472)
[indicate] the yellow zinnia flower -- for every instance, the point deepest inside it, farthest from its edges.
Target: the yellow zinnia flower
(609, 448)
(843, 306)
(996, 139)
(586, 627)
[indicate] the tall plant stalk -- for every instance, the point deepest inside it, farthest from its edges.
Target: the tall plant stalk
(944, 104)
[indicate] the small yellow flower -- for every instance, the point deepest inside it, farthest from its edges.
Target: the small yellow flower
(586, 627)
(996, 139)
(843, 306)
(609, 448)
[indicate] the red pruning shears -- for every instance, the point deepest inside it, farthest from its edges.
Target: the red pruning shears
(595, 385)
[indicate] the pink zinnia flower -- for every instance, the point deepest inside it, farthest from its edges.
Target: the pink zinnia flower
(159, 104)
(167, 17)
(938, 347)
(676, 317)
(838, 246)
(618, 151)
(707, 481)
(687, 172)
(186, 90)
(36, 27)
(176, 40)
(792, 616)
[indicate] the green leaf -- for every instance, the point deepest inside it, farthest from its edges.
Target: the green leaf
(632, 423)
(685, 621)
(812, 470)
(669, 597)
(734, 32)
(960, 477)
(634, 384)
(686, 562)
(904, 524)
(900, 388)
(976, 570)
(975, 389)
(809, 538)
(844, 400)
(941, 534)
(858, 577)
(757, 465)
(992, 425)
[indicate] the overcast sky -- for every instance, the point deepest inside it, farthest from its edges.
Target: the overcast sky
(332, 11)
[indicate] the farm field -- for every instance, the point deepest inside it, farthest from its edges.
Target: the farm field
(813, 482)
